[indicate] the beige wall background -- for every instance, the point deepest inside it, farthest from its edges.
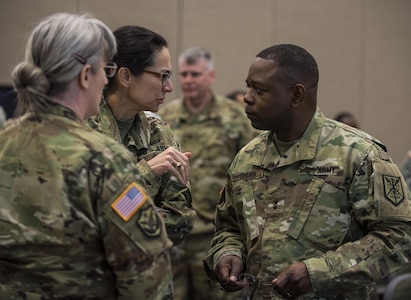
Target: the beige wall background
(362, 47)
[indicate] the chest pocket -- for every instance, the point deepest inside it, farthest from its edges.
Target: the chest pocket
(324, 216)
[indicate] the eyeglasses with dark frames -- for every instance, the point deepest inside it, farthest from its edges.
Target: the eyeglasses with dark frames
(110, 68)
(164, 76)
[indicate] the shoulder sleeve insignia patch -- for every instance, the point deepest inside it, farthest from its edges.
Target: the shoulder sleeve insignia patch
(393, 190)
(149, 222)
(129, 201)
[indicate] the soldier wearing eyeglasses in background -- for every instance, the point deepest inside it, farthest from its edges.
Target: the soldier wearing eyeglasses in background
(139, 82)
(213, 128)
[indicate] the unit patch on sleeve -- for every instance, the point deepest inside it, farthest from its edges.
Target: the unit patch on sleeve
(149, 222)
(129, 201)
(393, 190)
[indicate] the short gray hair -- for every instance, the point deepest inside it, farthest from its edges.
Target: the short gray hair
(193, 54)
(51, 59)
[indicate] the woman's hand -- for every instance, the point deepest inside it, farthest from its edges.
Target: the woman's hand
(171, 161)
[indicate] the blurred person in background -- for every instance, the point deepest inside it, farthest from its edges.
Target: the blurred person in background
(237, 95)
(3, 116)
(8, 100)
(405, 168)
(346, 118)
(213, 128)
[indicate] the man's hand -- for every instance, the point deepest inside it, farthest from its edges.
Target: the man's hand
(228, 271)
(293, 281)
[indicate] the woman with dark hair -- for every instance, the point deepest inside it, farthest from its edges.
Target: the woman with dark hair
(140, 84)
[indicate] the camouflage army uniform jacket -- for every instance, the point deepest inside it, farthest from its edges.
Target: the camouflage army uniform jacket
(213, 136)
(63, 234)
(147, 138)
(334, 200)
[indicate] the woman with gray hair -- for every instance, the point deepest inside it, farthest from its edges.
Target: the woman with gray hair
(75, 218)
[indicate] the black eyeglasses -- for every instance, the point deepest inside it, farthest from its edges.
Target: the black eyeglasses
(248, 279)
(164, 76)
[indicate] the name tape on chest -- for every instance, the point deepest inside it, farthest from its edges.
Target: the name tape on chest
(129, 201)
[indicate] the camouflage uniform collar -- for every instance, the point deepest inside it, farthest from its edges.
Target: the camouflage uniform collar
(208, 112)
(107, 121)
(140, 121)
(60, 110)
(142, 128)
(104, 105)
(138, 136)
(303, 149)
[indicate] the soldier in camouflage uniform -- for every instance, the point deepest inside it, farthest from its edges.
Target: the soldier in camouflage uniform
(137, 87)
(312, 208)
(75, 218)
(213, 128)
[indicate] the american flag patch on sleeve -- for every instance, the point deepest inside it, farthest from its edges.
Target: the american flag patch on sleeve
(129, 201)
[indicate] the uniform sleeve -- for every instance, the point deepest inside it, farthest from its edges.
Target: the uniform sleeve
(381, 204)
(227, 238)
(132, 232)
(172, 198)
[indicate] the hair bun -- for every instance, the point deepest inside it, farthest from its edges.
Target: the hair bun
(27, 76)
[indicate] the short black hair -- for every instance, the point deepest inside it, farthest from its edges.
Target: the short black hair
(297, 64)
